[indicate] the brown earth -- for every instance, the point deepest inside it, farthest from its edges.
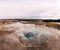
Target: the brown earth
(12, 40)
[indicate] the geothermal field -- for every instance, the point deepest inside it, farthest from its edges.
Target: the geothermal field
(25, 35)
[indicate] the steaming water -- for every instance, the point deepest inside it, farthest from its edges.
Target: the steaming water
(33, 32)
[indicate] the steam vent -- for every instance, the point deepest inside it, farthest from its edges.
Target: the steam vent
(29, 35)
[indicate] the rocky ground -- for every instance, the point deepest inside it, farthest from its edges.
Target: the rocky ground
(19, 36)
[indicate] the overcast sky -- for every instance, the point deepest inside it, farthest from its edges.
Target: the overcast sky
(43, 9)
